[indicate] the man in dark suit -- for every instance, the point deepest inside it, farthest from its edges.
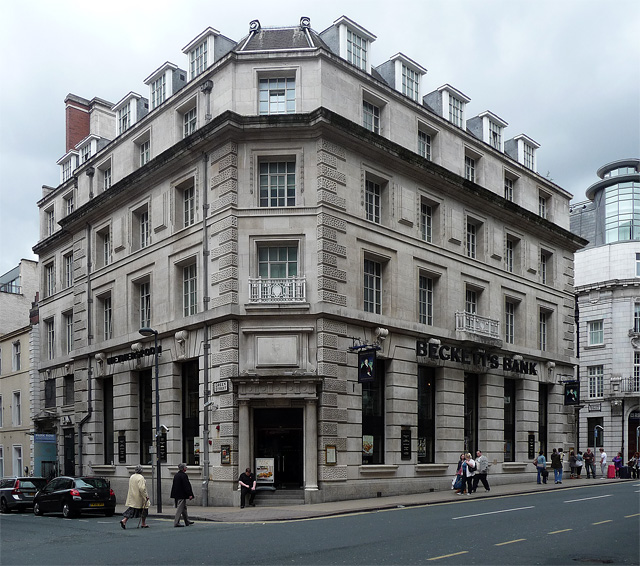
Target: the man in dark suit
(181, 491)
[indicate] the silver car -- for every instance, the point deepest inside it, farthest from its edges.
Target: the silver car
(17, 493)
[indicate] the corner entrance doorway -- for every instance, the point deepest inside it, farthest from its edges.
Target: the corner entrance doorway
(278, 434)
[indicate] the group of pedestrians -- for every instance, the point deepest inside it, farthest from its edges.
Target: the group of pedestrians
(470, 473)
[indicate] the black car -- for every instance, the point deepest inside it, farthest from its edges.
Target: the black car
(17, 493)
(73, 496)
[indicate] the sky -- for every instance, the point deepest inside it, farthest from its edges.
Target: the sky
(564, 72)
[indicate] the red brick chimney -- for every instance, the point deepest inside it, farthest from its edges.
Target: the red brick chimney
(77, 119)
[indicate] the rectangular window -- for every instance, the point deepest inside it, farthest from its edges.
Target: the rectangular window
(372, 198)
(596, 382)
(372, 286)
(17, 460)
(371, 117)
(141, 228)
(107, 420)
(508, 189)
(357, 50)
(106, 179)
(158, 91)
(190, 290)
(51, 221)
(543, 416)
(189, 205)
(637, 265)
(189, 120)
(198, 60)
(68, 390)
(471, 301)
(509, 420)
(50, 279)
(124, 118)
(68, 331)
(66, 170)
(426, 222)
(426, 415)
(410, 83)
(145, 426)
(106, 247)
(544, 267)
(528, 156)
(595, 424)
(542, 206)
(543, 323)
(636, 317)
(596, 333)
(277, 262)
(472, 233)
(51, 338)
(509, 322)
(190, 411)
(470, 168)
(145, 152)
(277, 96)
(144, 293)
(373, 408)
(509, 254)
(495, 136)
(425, 300)
(107, 314)
(16, 356)
(424, 145)
(277, 184)
(68, 270)
(50, 393)
(85, 153)
(456, 108)
(16, 409)
(69, 205)
(635, 380)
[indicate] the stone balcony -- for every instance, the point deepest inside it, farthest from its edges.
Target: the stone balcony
(477, 329)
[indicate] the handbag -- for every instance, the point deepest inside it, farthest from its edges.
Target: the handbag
(456, 483)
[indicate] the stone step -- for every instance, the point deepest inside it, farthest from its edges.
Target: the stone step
(279, 498)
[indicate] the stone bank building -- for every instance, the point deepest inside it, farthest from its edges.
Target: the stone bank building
(283, 214)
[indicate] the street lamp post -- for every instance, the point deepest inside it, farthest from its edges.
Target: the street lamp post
(145, 331)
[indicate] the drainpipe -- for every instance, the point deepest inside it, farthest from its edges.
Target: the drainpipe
(89, 341)
(576, 315)
(206, 345)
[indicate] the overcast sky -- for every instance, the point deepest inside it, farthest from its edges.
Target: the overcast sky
(564, 72)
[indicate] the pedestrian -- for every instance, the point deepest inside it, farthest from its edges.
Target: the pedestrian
(461, 473)
(579, 464)
(181, 491)
(247, 483)
(634, 466)
(617, 462)
(590, 463)
(470, 472)
(482, 468)
(541, 465)
(572, 464)
(603, 464)
(137, 499)
(556, 466)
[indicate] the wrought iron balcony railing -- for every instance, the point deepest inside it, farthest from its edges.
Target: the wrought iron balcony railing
(468, 322)
(282, 290)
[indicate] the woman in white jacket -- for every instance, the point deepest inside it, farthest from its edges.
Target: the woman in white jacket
(471, 471)
(137, 499)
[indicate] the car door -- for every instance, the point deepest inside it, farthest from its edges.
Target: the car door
(46, 495)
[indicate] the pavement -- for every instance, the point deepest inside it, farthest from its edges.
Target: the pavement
(262, 514)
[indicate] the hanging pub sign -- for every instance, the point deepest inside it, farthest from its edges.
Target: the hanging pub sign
(572, 393)
(366, 366)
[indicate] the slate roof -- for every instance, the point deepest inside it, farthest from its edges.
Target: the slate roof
(281, 38)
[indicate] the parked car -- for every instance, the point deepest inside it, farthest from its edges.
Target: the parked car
(73, 496)
(17, 493)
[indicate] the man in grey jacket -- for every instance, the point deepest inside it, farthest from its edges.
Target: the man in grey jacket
(482, 467)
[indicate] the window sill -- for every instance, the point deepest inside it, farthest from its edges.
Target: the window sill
(105, 469)
(435, 469)
(513, 467)
(378, 469)
(594, 346)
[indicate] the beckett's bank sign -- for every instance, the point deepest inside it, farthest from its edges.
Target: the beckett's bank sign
(437, 351)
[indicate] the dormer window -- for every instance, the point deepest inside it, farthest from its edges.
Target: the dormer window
(66, 170)
(529, 154)
(495, 135)
(404, 75)
(523, 149)
(163, 82)
(449, 103)
(68, 164)
(124, 118)
(200, 52)
(85, 153)
(357, 47)
(456, 111)
(410, 83)
(129, 110)
(158, 91)
(351, 41)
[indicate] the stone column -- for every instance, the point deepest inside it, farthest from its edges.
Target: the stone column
(244, 436)
(311, 445)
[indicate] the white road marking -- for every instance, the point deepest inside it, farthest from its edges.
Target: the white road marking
(587, 498)
(493, 512)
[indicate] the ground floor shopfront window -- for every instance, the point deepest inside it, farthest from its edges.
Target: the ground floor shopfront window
(426, 415)
(470, 412)
(373, 407)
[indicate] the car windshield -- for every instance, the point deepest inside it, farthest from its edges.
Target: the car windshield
(36, 483)
(91, 482)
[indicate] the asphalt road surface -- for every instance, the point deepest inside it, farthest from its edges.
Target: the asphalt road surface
(596, 524)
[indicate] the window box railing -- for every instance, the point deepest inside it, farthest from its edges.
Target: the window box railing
(630, 385)
(282, 290)
(468, 322)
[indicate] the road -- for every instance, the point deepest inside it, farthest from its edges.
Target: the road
(595, 524)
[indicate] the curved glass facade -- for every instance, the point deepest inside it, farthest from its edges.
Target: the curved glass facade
(622, 212)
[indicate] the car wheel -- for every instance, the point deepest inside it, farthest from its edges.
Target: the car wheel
(36, 509)
(3, 506)
(67, 513)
